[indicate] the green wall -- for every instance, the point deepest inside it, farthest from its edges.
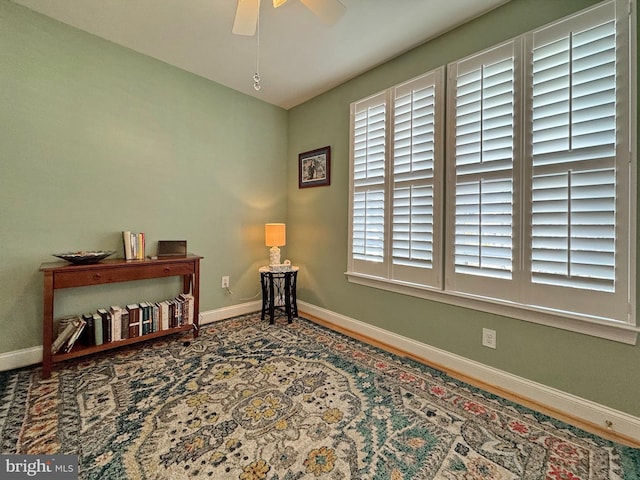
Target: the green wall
(96, 139)
(600, 370)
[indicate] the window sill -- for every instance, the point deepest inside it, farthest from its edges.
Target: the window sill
(610, 330)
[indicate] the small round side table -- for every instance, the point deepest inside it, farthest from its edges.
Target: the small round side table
(279, 292)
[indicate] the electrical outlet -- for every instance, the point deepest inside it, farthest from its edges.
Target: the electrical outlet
(489, 338)
(225, 281)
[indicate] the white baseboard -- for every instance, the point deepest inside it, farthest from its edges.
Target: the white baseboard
(20, 358)
(228, 312)
(568, 404)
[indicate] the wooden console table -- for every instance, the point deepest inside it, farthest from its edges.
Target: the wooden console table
(59, 275)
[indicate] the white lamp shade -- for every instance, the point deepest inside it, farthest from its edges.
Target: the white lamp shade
(275, 234)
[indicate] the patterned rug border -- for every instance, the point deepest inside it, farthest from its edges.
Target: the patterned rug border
(540, 417)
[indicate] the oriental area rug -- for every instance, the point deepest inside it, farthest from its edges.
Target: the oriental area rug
(252, 401)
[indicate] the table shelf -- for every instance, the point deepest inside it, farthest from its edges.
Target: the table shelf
(59, 275)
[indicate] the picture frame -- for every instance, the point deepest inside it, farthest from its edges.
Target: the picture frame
(314, 168)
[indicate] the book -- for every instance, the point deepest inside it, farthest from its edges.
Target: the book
(76, 334)
(188, 307)
(64, 336)
(145, 318)
(106, 325)
(173, 314)
(116, 322)
(97, 329)
(124, 324)
(164, 315)
(141, 246)
(63, 322)
(134, 320)
(89, 334)
(126, 240)
(182, 303)
(155, 323)
(179, 312)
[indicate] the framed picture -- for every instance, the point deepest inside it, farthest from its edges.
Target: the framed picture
(314, 168)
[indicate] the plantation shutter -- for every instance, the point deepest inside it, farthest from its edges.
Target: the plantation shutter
(417, 113)
(540, 197)
(481, 175)
(574, 148)
(368, 172)
(579, 164)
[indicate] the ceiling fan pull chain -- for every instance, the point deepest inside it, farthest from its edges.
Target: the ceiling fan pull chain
(256, 76)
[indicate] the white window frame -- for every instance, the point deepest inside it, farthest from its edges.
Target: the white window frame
(452, 291)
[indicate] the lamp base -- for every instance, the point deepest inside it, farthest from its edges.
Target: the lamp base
(274, 256)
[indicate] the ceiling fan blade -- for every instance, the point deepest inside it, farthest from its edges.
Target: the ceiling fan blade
(246, 17)
(329, 11)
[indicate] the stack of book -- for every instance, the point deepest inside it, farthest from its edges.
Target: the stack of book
(118, 323)
(69, 330)
(133, 245)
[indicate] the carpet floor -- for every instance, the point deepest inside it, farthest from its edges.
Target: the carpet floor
(251, 401)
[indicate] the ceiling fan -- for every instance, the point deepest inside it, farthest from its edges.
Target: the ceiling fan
(247, 12)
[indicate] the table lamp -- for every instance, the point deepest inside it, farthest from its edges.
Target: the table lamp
(275, 235)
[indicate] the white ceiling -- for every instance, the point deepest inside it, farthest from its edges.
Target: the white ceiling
(300, 57)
